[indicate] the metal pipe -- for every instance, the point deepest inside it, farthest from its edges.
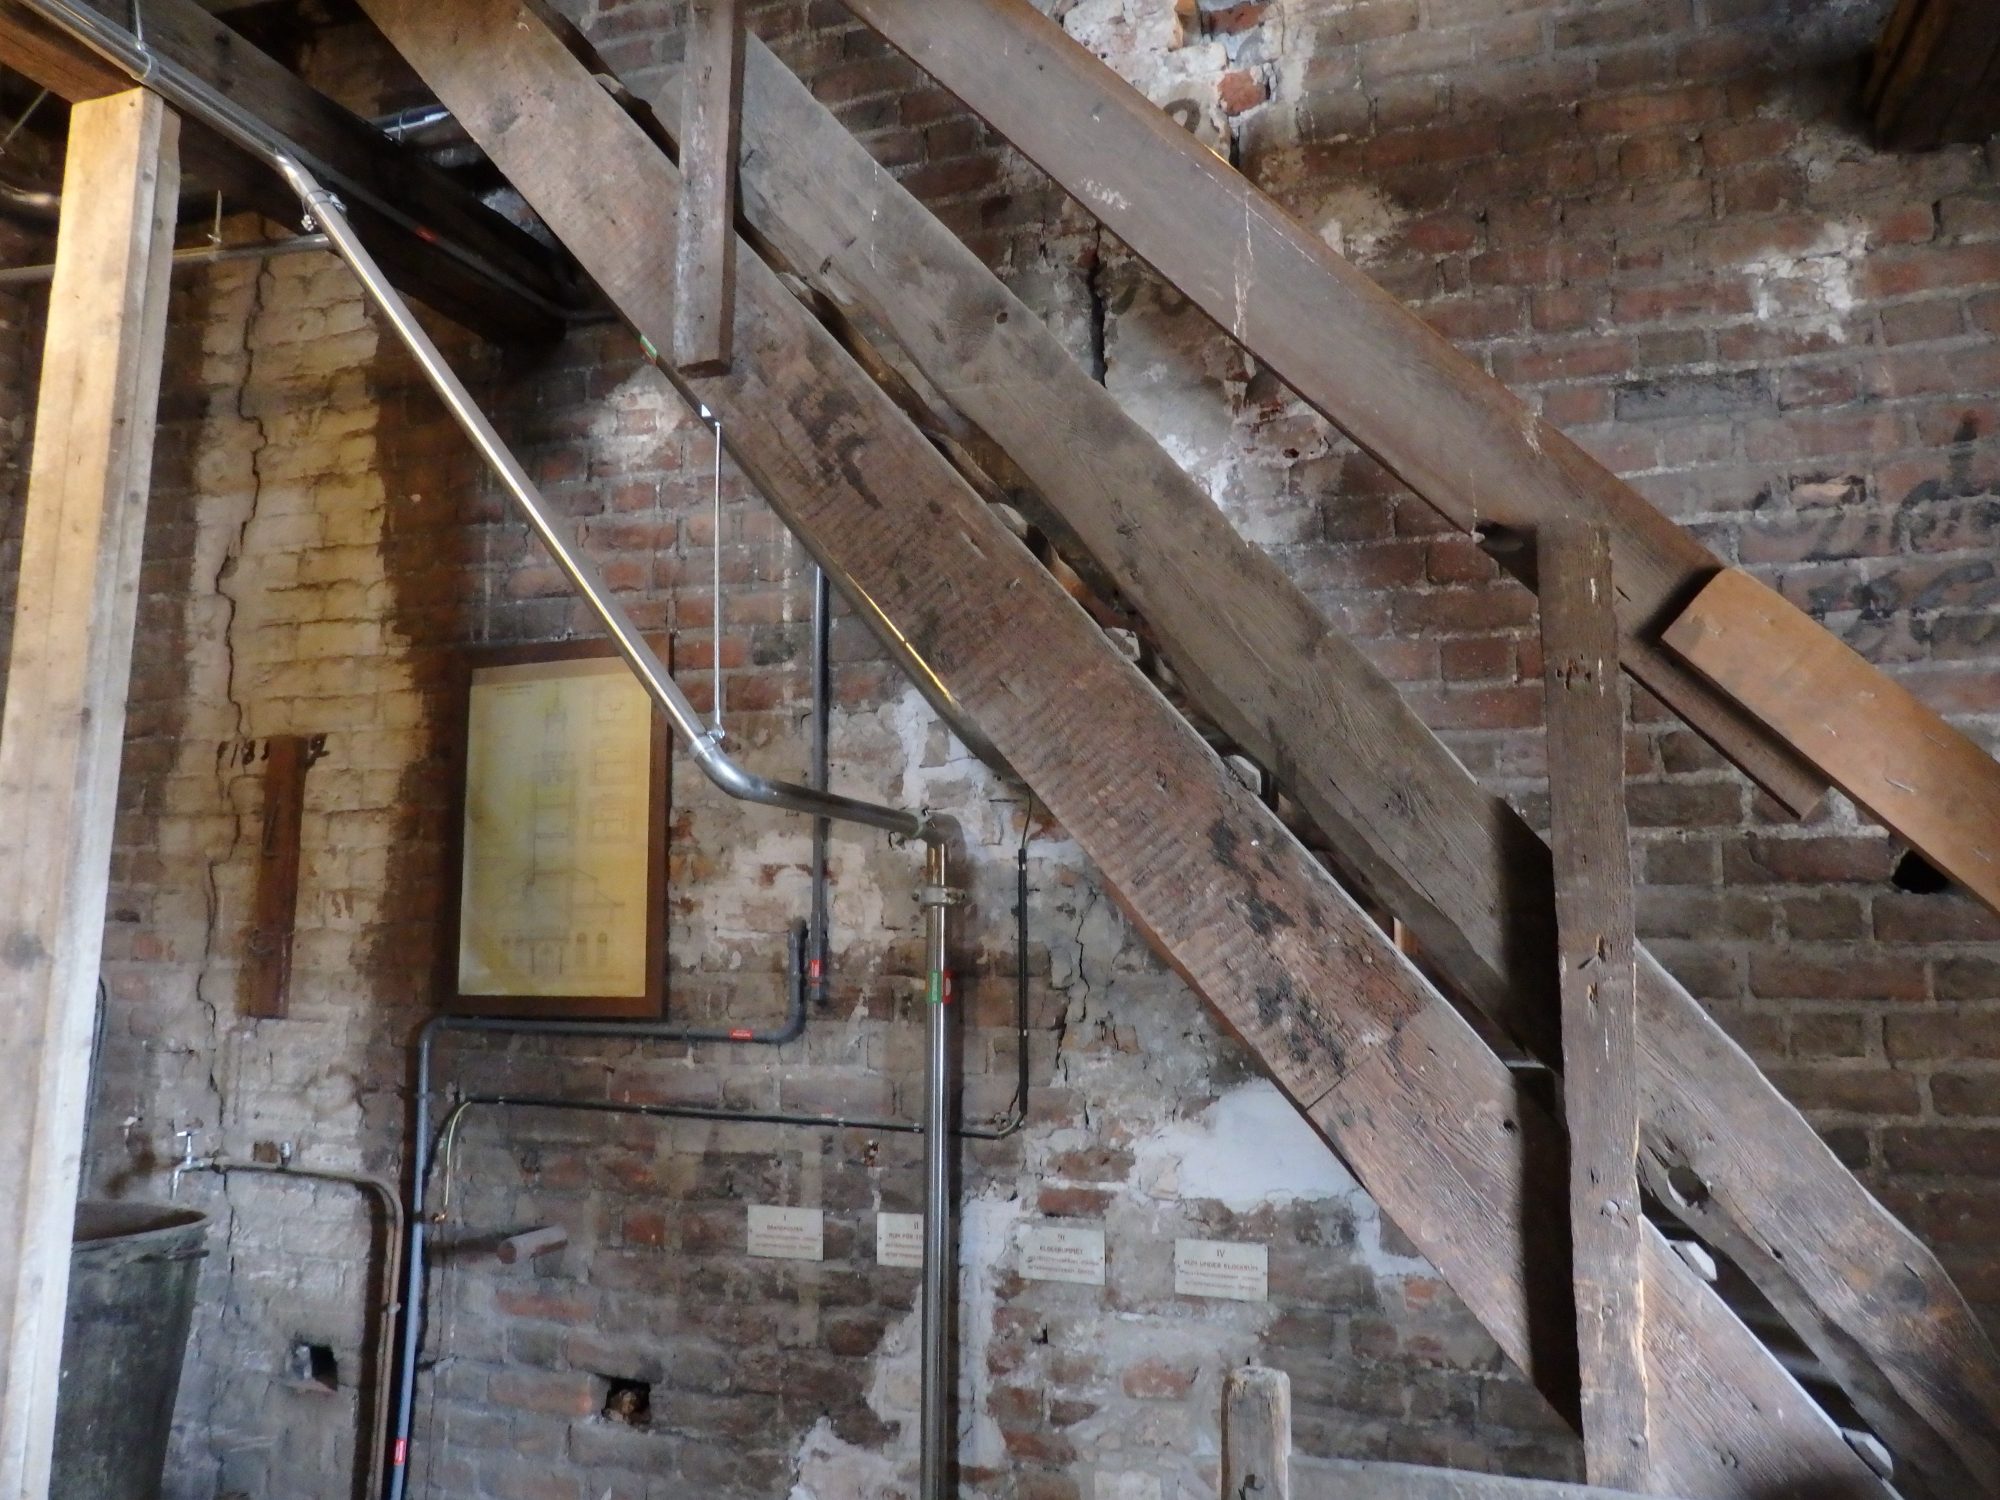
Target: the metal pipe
(819, 943)
(196, 255)
(190, 95)
(392, 1281)
(935, 1319)
(417, 1228)
(702, 744)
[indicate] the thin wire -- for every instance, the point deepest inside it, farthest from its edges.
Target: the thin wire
(26, 114)
(715, 555)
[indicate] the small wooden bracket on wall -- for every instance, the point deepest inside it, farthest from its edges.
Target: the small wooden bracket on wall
(265, 990)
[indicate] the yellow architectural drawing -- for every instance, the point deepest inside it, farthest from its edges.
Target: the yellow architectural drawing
(556, 830)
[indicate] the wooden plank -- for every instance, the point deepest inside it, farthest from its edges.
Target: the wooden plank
(705, 252)
(1932, 78)
(1431, 416)
(1256, 1434)
(1368, 1479)
(1281, 953)
(267, 971)
(416, 219)
(64, 716)
(1458, 863)
(1872, 737)
(1591, 844)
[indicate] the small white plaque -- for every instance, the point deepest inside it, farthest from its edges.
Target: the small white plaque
(1218, 1268)
(1059, 1254)
(899, 1240)
(787, 1233)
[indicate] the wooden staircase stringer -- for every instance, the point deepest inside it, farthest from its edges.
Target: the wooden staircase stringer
(1458, 437)
(1454, 861)
(1347, 1028)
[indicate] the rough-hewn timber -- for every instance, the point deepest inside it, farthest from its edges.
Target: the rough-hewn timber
(1271, 942)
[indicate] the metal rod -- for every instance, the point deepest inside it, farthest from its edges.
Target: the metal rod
(937, 1391)
(819, 942)
(377, 1436)
(715, 584)
(702, 744)
(196, 255)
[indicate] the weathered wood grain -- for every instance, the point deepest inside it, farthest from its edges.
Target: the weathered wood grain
(1432, 417)
(1874, 738)
(1271, 942)
(1935, 78)
(64, 717)
(1591, 843)
(1460, 865)
(417, 245)
(705, 250)
(1367, 1479)
(1256, 1434)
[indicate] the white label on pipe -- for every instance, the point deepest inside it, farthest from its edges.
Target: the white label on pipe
(1217, 1268)
(1052, 1253)
(899, 1240)
(787, 1233)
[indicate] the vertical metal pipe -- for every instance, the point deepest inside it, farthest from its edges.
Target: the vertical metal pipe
(819, 943)
(935, 1415)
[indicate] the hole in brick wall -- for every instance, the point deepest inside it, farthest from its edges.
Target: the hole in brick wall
(1919, 876)
(628, 1401)
(314, 1364)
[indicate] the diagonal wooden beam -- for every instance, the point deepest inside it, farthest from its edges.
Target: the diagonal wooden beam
(1427, 1115)
(64, 717)
(1585, 723)
(1433, 418)
(435, 239)
(1874, 738)
(1454, 861)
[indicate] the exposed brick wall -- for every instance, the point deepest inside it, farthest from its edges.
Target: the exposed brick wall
(1665, 226)
(1657, 221)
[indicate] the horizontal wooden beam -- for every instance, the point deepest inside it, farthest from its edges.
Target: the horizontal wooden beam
(1429, 1117)
(1872, 737)
(1449, 857)
(1367, 1479)
(435, 240)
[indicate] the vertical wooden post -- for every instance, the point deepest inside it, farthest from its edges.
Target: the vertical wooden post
(64, 717)
(266, 985)
(705, 251)
(1593, 874)
(1256, 1434)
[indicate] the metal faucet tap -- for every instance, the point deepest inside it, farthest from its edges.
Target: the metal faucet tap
(185, 1165)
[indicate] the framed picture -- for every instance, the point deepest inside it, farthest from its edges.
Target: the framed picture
(562, 850)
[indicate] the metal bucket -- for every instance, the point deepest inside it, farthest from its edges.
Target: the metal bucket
(132, 1273)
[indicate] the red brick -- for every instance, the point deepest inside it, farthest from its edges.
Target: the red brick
(1862, 1090)
(1961, 1094)
(1239, 91)
(1072, 1202)
(1850, 976)
(1158, 1379)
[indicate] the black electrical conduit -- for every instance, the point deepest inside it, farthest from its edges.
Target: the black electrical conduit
(437, 1146)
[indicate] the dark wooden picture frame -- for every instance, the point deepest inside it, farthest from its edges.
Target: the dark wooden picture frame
(650, 1003)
